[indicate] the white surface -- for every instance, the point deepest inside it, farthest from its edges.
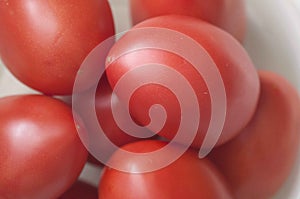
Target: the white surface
(273, 42)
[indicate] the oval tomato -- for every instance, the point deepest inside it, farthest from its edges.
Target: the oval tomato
(227, 14)
(41, 153)
(258, 161)
(81, 190)
(101, 103)
(187, 177)
(43, 43)
(132, 54)
(103, 106)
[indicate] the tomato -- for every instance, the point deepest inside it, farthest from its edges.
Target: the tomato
(81, 190)
(41, 153)
(104, 96)
(43, 43)
(101, 103)
(258, 161)
(132, 55)
(227, 14)
(187, 177)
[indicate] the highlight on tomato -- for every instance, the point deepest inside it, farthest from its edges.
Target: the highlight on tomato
(229, 15)
(41, 153)
(156, 50)
(43, 43)
(187, 177)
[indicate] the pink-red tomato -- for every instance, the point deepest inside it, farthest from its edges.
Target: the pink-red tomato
(103, 106)
(227, 14)
(232, 62)
(258, 161)
(81, 190)
(104, 99)
(188, 177)
(41, 153)
(43, 43)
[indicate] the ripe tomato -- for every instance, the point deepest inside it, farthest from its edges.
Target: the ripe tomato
(187, 177)
(43, 43)
(102, 103)
(132, 54)
(258, 161)
(104, 95)
(227, 14)
(81, 190)
(41, 153)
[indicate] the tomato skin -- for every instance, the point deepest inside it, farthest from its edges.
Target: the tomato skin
(187, 177)
(104, 99)
(43, 43)
(235, 66)
(41, 153)
(258, 161)
(229, 15)
(81, 190)
(105, 116)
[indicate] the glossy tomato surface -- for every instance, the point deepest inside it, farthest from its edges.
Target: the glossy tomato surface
(43, 43)
(258, 161)
(41, 153)
(132, 54)
(105, 99)
(227, 14)
(96, 111)
(81, 190)
(187, 177)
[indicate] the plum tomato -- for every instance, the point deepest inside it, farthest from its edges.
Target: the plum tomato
(104, 96)
(187, 177)
(259, 160)
(237, 73)
(229, 15)
(81, 190)
(41, 153)
(101, 103)
(43, 43)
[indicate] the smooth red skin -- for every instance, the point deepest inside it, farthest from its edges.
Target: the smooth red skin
(105, 116)
(258, 161)
(41, 153)
(81, 190)
(229, 15)
(187, 177)
(237, 71)
(106, 119)
(43, 43)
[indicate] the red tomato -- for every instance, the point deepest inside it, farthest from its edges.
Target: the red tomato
(187, 177)
(81, 190)
(43, 43)
(232, 62)
(104, 99)
(258, 161)
(41, 153)
(105, 116)
(227, 14)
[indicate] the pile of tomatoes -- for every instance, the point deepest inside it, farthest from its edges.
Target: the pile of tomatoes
(181, 59)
